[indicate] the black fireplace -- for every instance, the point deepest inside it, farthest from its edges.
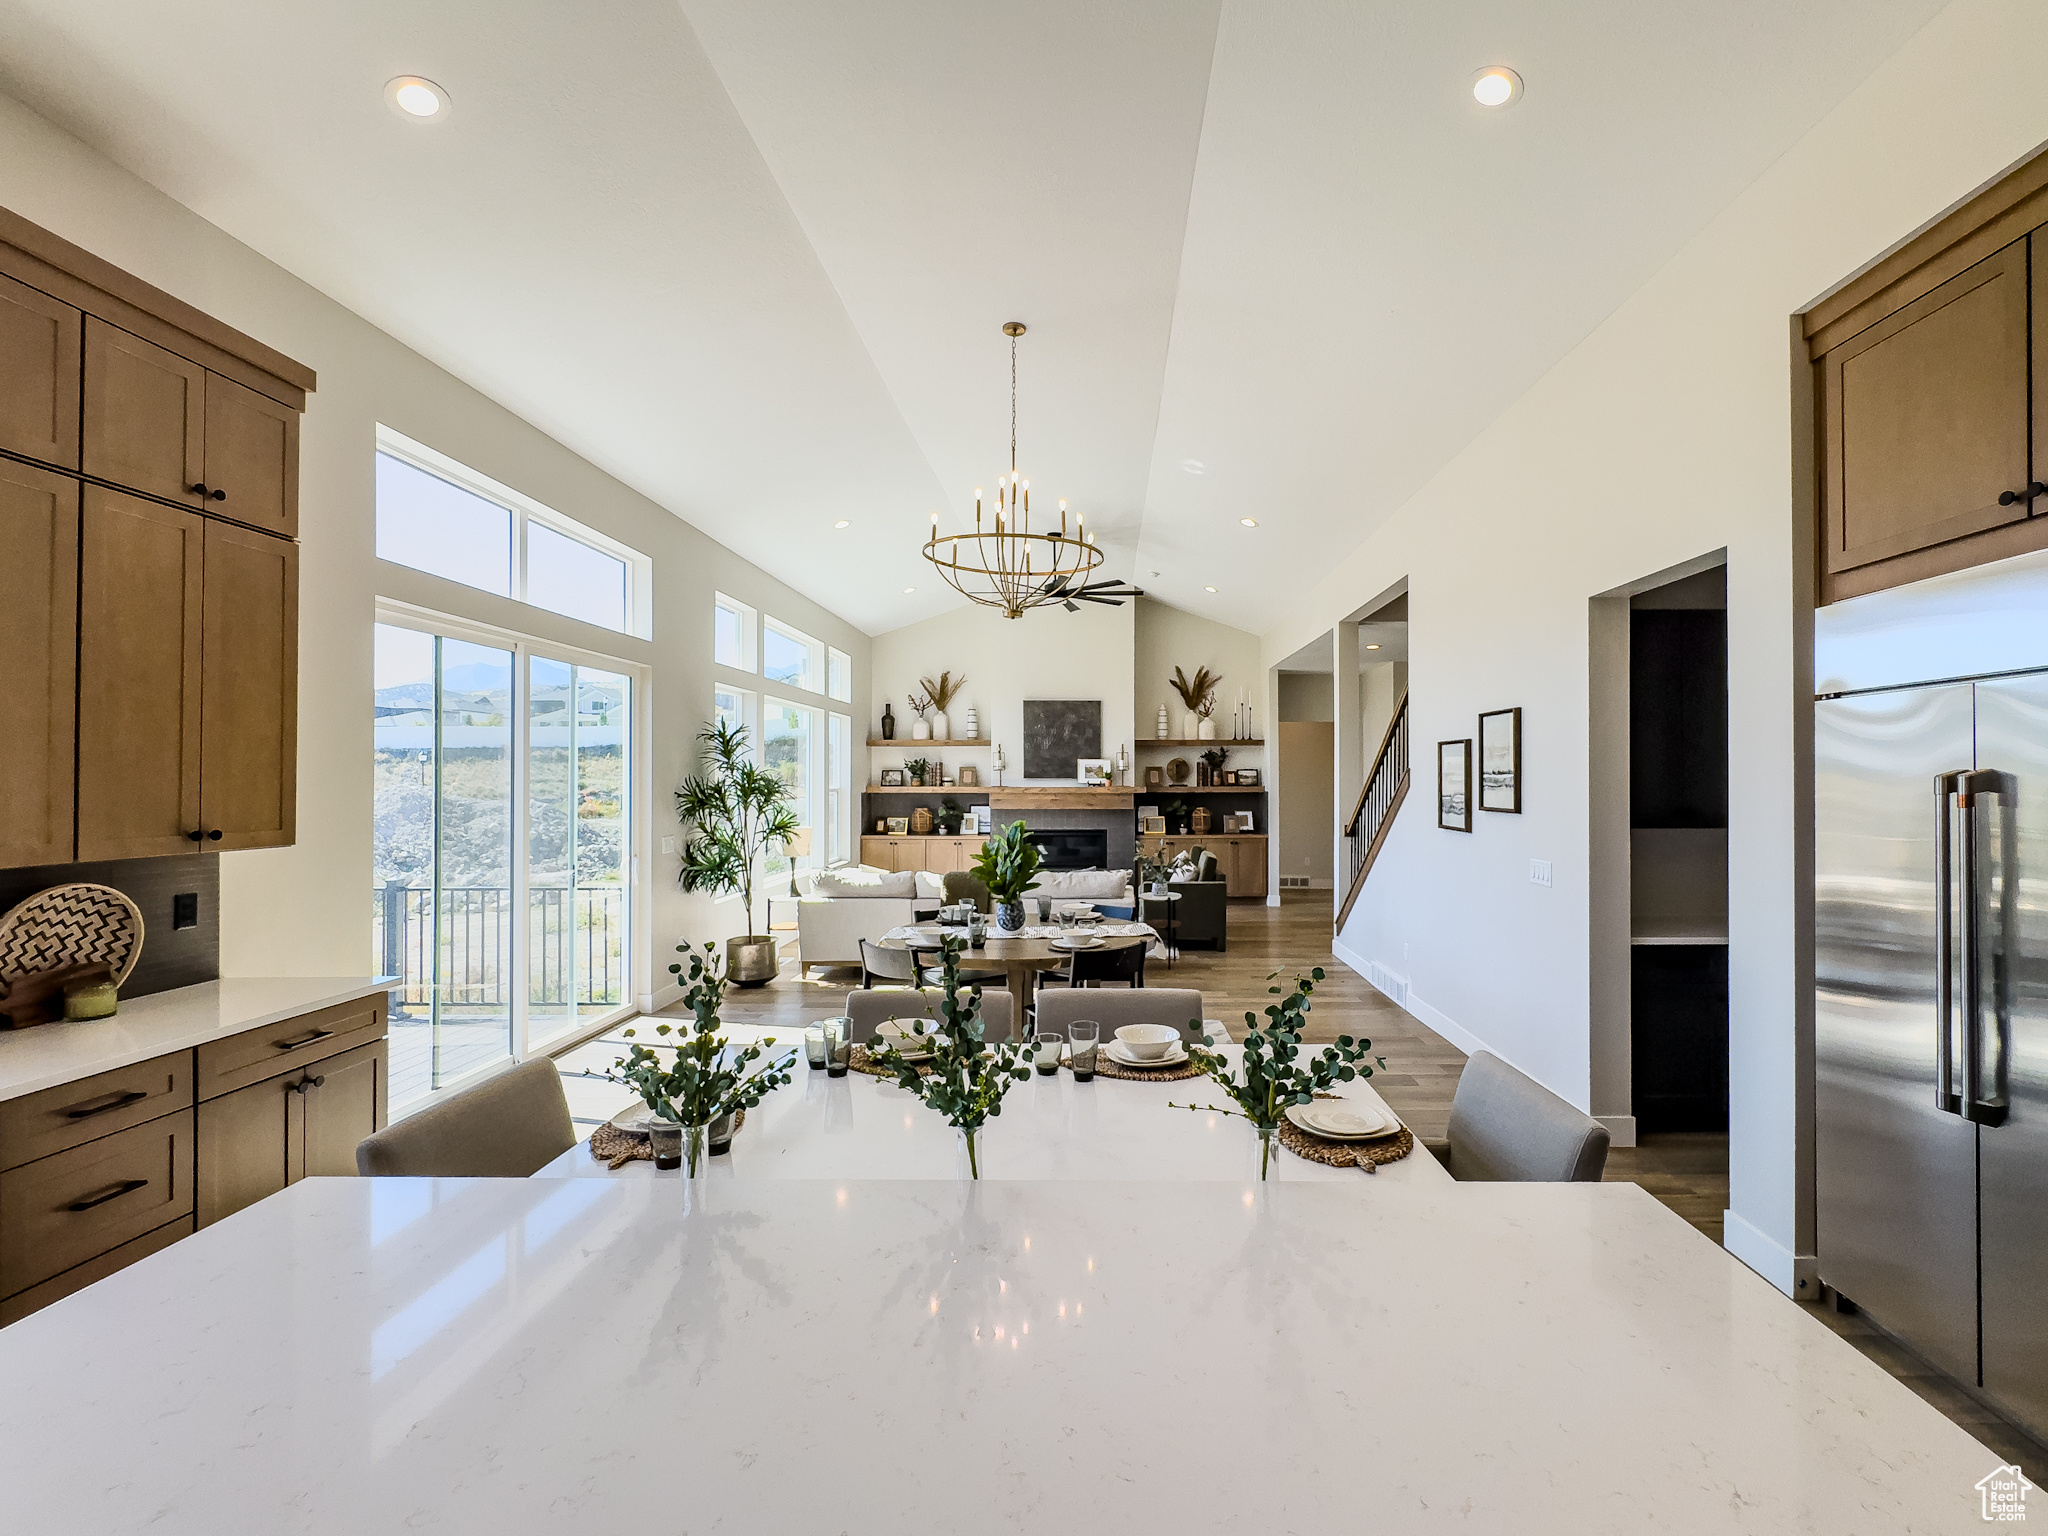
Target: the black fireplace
(1072, 850)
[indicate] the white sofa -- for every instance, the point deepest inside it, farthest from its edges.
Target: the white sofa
(840, 907)
(1111, 886)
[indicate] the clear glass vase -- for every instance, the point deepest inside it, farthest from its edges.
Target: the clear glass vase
(1269, 1150)
(970, 1143)
(695, 1150)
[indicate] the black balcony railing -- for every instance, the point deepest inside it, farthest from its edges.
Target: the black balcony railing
(577, 933)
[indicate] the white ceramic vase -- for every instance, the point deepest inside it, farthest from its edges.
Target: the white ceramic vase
(1165, 730)
(942, 728)
(972, 730)
(921, 729)
(1190, 726)
(1206, 731)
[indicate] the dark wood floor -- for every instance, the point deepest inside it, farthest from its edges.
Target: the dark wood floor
(1688, 1173)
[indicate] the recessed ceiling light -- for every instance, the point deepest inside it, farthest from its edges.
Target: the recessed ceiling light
(1496, 86)
(1208, 589)
(843, 523)
(417, 98)
(1194, 466)
(1249, 522)
(908, 590)
(1375, 645)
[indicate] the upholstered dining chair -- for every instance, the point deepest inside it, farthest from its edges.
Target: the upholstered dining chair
(1087, 967)
(881, 966)
(1508, 1128)
(1172, 1006)
(506, 1127)
(868, 1009)
(964, 885)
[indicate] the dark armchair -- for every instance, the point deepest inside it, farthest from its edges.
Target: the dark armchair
(1203, 910)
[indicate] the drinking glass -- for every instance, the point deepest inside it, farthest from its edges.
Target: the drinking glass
(838, 1047)
(1044, 909)
(666, 1138)
(1083, 1035)
(977, 930)
(1047, 1057)
(814, 1047)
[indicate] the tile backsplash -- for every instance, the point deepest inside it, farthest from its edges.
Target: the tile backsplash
(171, 956)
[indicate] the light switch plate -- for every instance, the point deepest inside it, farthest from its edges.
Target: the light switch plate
(1539, 871)
(668, 845)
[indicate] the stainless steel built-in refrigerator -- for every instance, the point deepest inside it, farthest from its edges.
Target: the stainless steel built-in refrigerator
(1931, 954)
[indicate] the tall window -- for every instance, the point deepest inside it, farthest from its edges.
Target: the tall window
(790, 656)
(839, 791)
(732, 633)
(839, 675)
(503, 866)
(734, 706)
(444, 518)
(786, 752)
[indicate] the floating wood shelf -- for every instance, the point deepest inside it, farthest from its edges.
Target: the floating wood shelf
(929, 741)
(1176, 741)
(1062, 797)
(970, 790)
(1203, 789)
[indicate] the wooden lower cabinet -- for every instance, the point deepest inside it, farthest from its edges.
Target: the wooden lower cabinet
(86, 1190)
(931, 855)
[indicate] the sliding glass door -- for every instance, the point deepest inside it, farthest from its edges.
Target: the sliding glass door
(578, 880)
(482, 751)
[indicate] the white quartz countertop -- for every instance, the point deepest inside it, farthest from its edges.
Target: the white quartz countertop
(48, 1054)
(578, 1356)
(861, 1127)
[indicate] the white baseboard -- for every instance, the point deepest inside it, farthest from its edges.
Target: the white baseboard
(661, 997)
(1797, 1275)
(1396, 987)
(1621, 1129)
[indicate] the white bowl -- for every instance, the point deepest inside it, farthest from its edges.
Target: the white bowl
(1147, 1042)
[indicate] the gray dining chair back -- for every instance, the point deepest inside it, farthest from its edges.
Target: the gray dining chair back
(879, 963)
(506, 1127)
(1112, 1009)
(868, 1009)
(1508, 1128)
(1125, 963)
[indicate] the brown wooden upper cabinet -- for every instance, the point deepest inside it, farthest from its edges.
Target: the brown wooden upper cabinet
(39, 638)
(249, 694)
(161, 424)
(39, 345)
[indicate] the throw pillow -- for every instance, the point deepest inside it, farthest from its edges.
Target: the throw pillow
(866, 885)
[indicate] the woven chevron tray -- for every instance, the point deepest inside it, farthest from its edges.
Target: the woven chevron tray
(71, 925)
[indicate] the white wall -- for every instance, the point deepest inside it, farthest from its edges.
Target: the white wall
(1668, 433)
(305, 910)
(1046, 654)
(1168, 637)
(1308, 765)
(1306, 696)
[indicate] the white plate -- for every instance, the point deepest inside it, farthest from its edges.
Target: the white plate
(1362, 1127)
(1119, 1053)
(634, 1117)
(900, 1038)
(1084, 943)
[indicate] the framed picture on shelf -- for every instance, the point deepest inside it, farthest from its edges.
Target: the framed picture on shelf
(1092, 771)
(1152, 826)
(1155, 777)
(1500, 761)
(892, 778)
(1226, 777)
(1454, 785)
(899, 826)
(970, 777)
(1247, 778)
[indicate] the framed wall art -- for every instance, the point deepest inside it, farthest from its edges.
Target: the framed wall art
(892, 778)
(1092, 771)
(1500, 761)
(899, 826)
(1247, 778)
(1058, 733)
(1454, 785)
(970, 777)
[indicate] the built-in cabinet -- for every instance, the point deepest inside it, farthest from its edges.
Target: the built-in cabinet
(1930, 377)
(936, 855)
(97, 1173)
(1240, 858)
(152, 622)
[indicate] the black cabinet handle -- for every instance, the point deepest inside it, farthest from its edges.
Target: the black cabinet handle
(197, 837)
(304, 1085)
(303, 1041)
(126, 1187)
(201, 489)
(218, 494)
(213, 836)
(118, 1101)
(2034, 488)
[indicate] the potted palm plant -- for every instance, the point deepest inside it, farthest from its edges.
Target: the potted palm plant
(1007, 865)
(731, 813)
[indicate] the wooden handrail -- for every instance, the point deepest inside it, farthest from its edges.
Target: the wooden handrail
(1358, 810)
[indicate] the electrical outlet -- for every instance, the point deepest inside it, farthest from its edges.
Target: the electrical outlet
(1539, 871)
(668, 845)
(185, 910)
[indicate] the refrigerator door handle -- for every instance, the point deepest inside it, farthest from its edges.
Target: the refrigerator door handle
(1946, 786)
(1978, 1106)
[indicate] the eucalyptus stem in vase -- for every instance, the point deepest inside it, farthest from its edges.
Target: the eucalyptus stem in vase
(1274, 1076)
(964, 1078)
(707, 1080)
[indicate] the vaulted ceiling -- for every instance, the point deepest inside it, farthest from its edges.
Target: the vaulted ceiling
(753, 256)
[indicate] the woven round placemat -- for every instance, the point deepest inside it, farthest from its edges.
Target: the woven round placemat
(863, 1062)
(1346, 1154)
(1106, 1066)
(610, 1144)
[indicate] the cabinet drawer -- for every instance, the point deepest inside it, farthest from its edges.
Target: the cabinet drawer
(79, 1276)
(255, 1054)
(56, 1119)
(76, 1205)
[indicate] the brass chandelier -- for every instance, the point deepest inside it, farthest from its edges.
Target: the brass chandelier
(1005, 565)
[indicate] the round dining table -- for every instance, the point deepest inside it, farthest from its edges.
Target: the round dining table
(1021, 958)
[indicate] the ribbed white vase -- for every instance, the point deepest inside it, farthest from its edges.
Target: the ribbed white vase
(971, 731)
(1165, 730)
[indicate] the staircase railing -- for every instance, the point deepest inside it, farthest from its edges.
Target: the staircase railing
(1385, 788)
